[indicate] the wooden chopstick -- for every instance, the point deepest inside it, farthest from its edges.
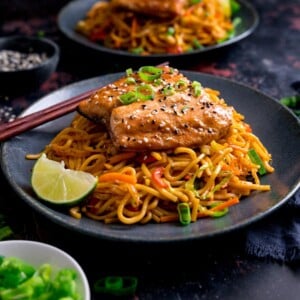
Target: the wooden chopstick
(22, 124)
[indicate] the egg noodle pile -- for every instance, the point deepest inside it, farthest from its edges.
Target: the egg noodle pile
(202, 24)
(182, 184)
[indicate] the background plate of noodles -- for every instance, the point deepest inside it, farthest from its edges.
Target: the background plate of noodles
(279, 130)
(179, 44)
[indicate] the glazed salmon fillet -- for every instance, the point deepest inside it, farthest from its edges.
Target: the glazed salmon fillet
(159, 8)
(163, 113)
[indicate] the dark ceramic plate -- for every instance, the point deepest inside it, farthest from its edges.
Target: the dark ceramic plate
(76, 10)
(276, 126)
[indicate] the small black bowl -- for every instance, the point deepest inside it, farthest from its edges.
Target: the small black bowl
(39, 60)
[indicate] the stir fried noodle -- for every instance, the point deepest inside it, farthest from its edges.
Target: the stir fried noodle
(147, 187)
(200, 25)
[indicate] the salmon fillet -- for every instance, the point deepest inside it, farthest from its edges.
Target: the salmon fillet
(180, 113)
(159, 8)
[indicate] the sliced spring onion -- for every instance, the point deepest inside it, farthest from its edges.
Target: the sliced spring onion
(168, 90)
(137, 50)
(220, 213)
(130, 80)
(185, 109)
(197, 44)
(234, 6)
(129, 72)
(5, 232)
(196, 85)
(115, 285)
(145, 92)
(129, 97)
(184, 213)
(149, 73)
(180, 85)
(291, 101)
(157, 81)
(142, 92)
(257, 160)
(170, 31)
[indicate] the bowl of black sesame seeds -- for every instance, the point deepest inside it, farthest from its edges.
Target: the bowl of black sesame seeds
(26, 62)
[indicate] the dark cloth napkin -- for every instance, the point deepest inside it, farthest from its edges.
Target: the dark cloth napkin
(278, 236)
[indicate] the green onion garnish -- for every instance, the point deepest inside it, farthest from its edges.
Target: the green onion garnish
(254, 157)
(129, 72)
(149, 73)
(184, 213)
(197, 88)
(180, 85)
(168, 90)
(129, 97)
(130, 80)
(145, 92)
(137, 50)
(197, 44)
(170, 31)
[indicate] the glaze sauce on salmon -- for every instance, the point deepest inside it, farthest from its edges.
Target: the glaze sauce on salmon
(157, 108)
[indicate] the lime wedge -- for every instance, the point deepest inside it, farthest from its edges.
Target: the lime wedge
(53, 183)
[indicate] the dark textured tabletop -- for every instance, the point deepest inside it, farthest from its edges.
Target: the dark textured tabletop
(267, 60)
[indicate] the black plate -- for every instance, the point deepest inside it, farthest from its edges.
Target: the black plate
(276, 126)
(76, 10)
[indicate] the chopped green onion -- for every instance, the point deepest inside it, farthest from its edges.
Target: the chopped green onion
(129, 72)
(197, 44)
(232, 32)
(197, 88)
(5, 232)
(116, 285)
(142, 92)
(254, 157)
(184, 213)
(168, 90)
(236, 21)
(234, 6)
(220, 213)
(171, 70)
(130, 80)
(170, 31)
(291, 101)
(145, 92)
(129, 97)
(137, 50)
(149, 73)
(180, 85)
(185, 108)
(157, 81)
(191, 184)
(20, 280)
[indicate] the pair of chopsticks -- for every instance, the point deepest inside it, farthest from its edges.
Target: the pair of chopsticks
(22, 124)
